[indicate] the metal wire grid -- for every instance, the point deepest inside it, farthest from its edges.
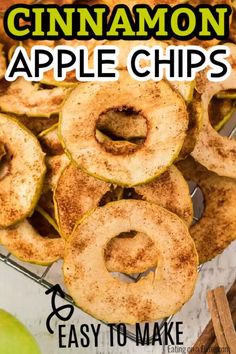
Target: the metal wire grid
(51, 275)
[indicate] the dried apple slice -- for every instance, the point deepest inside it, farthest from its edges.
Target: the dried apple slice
(170, 190)
(156, 295)
(22, 97)
(157, 102)
(217, 153)
(23, 170)
(216, 228)
(34, 240)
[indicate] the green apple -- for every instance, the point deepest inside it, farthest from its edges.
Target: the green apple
(14, 336)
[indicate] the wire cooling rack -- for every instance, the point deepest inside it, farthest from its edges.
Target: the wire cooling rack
(51, 275)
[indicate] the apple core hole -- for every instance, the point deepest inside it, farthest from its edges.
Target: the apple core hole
(121, 130)
(135, 249)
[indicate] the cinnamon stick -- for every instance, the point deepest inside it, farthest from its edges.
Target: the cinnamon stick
(222, 320)
(206, 340)
(214, 345)
(215, 301)
(214, 348)
(231, 296)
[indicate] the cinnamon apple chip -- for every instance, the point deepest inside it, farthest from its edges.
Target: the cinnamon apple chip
(22, 97)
